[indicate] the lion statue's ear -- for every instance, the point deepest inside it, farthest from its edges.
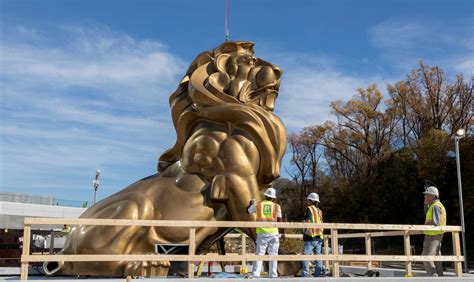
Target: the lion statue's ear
(220, 80)
(220, 63)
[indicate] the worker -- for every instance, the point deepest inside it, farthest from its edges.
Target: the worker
(268, 237)
(313, 237)
(65, 230)
(435, 215)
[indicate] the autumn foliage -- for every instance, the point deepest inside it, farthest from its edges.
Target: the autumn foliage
(369, 163)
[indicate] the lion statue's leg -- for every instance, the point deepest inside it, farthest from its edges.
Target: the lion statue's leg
(112, 239)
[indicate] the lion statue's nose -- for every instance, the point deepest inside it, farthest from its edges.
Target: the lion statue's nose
(266, 76)
(278, 72)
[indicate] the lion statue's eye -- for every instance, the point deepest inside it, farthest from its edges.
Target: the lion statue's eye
(246, 60)
(242, 60)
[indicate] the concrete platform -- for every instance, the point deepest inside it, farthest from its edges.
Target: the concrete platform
(328, 279)
(387, 274)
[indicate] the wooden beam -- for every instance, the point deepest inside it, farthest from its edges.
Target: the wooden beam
(335, 251)
(407, 247)
(377, 234)
(244, 249)
(51, 243)
(457, 253)
(326, 251)
(368, 249)
(234, 257)
(25, 252)
(192, 248)
(287, 236)
(234, 224)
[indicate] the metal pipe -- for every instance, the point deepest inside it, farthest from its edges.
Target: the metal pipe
(461, 206)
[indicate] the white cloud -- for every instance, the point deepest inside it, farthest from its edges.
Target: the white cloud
(403, 42)
(306, 95)
(309, 84)
(394, 34)
(75, 98)
(402, 35)
(464, 66)
(123, 67)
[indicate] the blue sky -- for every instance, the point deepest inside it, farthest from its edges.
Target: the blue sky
(85, 84)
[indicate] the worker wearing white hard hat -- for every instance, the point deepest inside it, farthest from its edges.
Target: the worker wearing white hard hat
(270, 193)
(435, 215)
(313, 237)
(267, 238)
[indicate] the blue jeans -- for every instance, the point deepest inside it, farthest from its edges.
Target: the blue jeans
(309, 248)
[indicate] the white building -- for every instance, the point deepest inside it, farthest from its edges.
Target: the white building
(14, 207)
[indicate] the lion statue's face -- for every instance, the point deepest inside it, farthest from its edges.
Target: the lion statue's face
(246, 78)
(238, 75)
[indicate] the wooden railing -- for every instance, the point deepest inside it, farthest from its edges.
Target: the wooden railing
(191, 257)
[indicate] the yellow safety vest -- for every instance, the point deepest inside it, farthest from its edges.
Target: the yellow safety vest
(65, 231)
(316, 217)
(267, 211)
(429, 217)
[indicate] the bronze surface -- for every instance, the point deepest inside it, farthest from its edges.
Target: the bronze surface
(229, 146)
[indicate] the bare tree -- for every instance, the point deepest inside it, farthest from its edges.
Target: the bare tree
(363, 132)
(425, 100)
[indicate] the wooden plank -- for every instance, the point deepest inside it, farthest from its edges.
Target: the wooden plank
(233, 236)
(25, 252)
(377, 234)
(243, 242)
(326, 251)
(235, 224)
(294, 236)
(457, 253)
(192, 248)
(407, 248)
(234, 257)
(335, 251)
(368, 249)
(51, 244)
(344, 236)
(287, 236)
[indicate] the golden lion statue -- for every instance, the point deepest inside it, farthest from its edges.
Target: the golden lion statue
(229, 146)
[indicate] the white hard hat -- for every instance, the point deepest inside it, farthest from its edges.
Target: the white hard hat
(271, 193)
(313, 197)
(432, 191)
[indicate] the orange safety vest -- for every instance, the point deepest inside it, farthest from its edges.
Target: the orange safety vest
(267, 211)
(316, 217)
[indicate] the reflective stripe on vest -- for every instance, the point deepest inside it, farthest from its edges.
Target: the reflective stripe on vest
(316, 217)
(429, 217)
(267, 211)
